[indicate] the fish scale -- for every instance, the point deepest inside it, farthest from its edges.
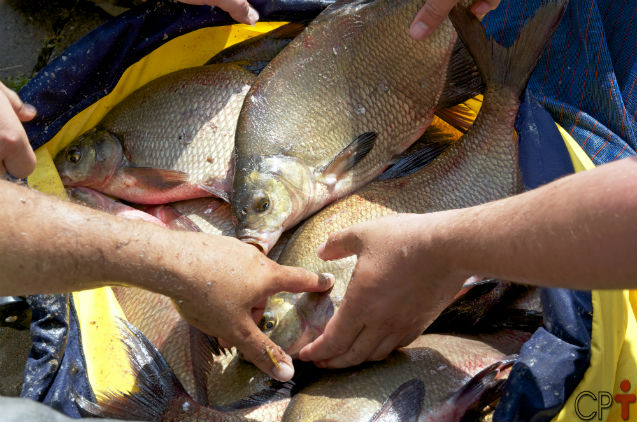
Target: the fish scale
(193, 113)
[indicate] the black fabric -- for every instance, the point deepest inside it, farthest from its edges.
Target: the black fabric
(90, 68)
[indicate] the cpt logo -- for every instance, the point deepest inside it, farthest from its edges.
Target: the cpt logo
(584, 402)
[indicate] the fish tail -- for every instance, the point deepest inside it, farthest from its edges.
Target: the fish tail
(508, 67)
(159, 394)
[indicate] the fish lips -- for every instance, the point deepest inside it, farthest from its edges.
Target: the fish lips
(264, 241)
(315, 310)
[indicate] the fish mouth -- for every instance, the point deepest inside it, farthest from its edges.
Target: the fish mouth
(313, 319)
(262, 241)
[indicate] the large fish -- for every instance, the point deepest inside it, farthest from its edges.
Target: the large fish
(455, 372)
(329, 113)
(481, 167)
(170, 140)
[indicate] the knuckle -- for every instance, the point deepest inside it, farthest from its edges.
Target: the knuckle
(11, 140)
(435, 11)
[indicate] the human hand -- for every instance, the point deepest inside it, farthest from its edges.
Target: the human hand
(240, 10)
(16, 155)
(435, 11)
(222, 304)
(401, 283)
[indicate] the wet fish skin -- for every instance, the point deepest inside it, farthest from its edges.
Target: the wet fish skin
(336, 82)
(445, 363)
(175, 135)
(99, 201)
(481, 167)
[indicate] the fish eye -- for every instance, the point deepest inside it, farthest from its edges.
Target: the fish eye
(267, 324)
(262, 204)
(74, 155)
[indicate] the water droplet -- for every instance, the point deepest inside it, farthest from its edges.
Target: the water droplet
(209, 284)
(335, 51)
(186, 406)
(360, 110)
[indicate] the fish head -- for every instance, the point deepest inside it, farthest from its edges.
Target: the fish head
(269, 195)
(90, 159)
(293, 320)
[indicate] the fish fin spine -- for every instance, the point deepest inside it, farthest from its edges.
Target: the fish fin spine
(348, 157)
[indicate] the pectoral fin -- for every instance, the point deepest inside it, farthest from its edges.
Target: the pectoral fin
(348, 157)
(155, 179)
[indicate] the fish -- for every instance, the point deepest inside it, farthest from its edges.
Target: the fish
(170, 140)
(482, 166)
(160, 396)
(258, 51)
(332, 110)
(455, 371)
(97, 200)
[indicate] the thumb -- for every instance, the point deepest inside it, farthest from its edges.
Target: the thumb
(296, 280)
(429, 17)
(340, 245)
(263, 353)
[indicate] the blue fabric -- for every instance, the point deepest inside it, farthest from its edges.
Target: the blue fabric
(90, 68)
(552, 362)
(586, 78)
(542, 153)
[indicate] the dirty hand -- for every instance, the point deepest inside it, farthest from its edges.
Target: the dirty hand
(16, 155)
(221, 305)
(400, 284)
(435, 11)
(240, 10)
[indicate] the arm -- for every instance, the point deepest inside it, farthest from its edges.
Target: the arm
(16, 155)
(435, 11)
(49, 245)
(578, 232)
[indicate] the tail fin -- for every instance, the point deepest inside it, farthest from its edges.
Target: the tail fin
(158, 385)
(511, 66)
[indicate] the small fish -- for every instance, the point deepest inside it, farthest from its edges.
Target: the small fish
(170, 140)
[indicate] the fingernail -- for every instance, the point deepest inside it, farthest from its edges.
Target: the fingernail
(320, 249)
(419, 30)
(481, 9)
(327, 279)
(29, 109)
(253, 16)
(283, 372)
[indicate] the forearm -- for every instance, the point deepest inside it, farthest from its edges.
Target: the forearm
(49, 245)
(577, 232)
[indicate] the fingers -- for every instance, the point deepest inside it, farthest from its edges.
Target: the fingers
(296, 280)
(16, 155)
(435, 11)
(262, 352)
(340, 245)
(240, 10)
(340, 333)
(25, 112)
(482, 7)
(360, 351)
(429, 17)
